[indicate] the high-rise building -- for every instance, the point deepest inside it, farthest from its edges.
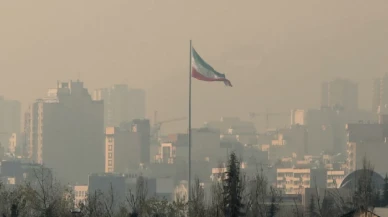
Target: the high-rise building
(122, 104)
(122, 150)
(341, 94)
(65, 131)
(10, 112)
(380, 93)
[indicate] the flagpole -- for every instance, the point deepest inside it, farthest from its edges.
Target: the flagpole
(190, 75)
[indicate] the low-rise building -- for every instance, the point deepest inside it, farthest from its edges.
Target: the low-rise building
(80, 195)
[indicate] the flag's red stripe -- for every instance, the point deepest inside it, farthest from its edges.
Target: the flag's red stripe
(201, 77)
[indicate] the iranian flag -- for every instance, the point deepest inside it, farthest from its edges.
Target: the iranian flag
(204, 72)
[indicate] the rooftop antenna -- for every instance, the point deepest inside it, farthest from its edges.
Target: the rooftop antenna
(79, 76)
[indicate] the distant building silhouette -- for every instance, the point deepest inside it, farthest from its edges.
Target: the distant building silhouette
(368, 140)
(122, 150)
(143, 127)
(121, 104)
(380, 93)
(10, 113)
(340, 93)
(65, 131)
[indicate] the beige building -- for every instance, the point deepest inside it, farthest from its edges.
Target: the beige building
(334, 178)
(298, 117)
(122, 150)
(80, 195)
(295, 180)
(65, 131)
(13, 143)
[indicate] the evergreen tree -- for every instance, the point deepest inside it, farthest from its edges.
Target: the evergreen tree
(233, 189)
(14, 211)
(385, 192)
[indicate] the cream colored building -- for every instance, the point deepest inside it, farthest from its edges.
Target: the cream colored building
(294, 180)
(80, 194)
(12, 144)
(334, 178)
(298, 117)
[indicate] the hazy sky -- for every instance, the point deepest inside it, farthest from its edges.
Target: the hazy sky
(276, 53)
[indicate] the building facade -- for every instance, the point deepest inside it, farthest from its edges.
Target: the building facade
(340, 93)
(380, 93)
(122, 150)
(122, 104)
(65, 132)
(80, 195)
(295, 180)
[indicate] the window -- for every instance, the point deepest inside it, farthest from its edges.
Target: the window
(109, 162)
(110, 147)
(110, 155)
(110, 169)
(110, 139)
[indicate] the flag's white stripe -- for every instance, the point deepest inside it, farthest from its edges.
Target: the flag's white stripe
(202, 70)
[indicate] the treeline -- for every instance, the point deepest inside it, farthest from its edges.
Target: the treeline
(234, 196)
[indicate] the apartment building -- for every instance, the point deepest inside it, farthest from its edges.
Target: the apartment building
(295, 180)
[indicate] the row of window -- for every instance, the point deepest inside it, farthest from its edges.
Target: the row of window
(80, 193)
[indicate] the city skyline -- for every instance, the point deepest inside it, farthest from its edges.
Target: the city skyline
(118, 49)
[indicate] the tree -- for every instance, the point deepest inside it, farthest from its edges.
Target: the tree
(216, 207)
(312, 208)
(274, 206)
(14, 211)
(364, 196)
(197, 202)
(385, 191)
(138, 202)
(233, 189)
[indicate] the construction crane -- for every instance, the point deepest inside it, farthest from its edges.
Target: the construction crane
(267, 114)
(158, 124)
